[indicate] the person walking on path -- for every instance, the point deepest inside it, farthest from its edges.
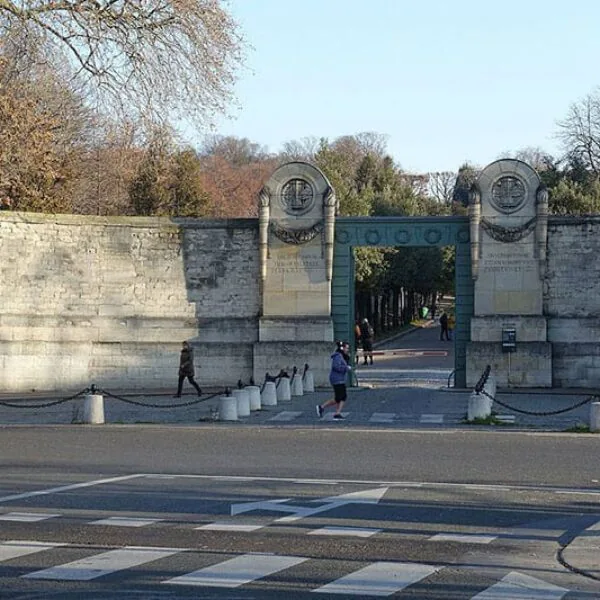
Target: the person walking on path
(186, 369)
(444, 326)
(366, 335)
(340, 368)
(451, 325)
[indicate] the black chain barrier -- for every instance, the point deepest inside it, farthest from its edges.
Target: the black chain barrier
(47, 404)
(539, 413)
(483, 380)
(162, 405)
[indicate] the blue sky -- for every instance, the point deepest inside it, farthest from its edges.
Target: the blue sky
(446, 82)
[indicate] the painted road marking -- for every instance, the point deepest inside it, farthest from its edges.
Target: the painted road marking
(125, 522)
(286, 415)
(16, 548)
(68, 488)
(372, 496)
(463, 538)
(379, 579)
(516, 586)
(382, 417)
(230, 527)
(237, 571)
(102, 564)
(345, 531)
(26, 517)
(425, 418)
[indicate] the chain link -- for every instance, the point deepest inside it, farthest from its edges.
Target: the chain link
(154, 405)
(45, 404)
(539, 413)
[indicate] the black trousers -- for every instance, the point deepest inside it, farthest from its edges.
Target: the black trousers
(191, 379)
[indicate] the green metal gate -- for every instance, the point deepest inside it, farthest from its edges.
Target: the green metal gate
(402, 231)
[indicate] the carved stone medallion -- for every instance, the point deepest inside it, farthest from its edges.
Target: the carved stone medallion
(508, 194)
(297, 197)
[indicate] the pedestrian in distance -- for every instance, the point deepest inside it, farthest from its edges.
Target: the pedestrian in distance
(444, 327)
(340, 367)
(367, 335)
(186, 369)
(451, 326)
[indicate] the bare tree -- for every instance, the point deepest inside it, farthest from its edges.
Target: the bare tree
(441, 186)
(579, 132)
(157, 58)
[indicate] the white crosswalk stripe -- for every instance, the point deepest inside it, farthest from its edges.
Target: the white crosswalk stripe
(238, 571)
(17, 548)
(286, 415)
(102, 564)
(24, 517)
(517, 586)
(379, 579)
(125, 522)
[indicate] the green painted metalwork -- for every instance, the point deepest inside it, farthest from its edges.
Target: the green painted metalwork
(351, 232)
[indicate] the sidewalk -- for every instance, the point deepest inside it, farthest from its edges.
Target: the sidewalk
(377, 407)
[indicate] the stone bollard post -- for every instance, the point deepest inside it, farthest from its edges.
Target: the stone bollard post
(297, 388)
(595, 417)
(490, 389)
(254, 393)
(309, 382)
(269, 394)
(284, 393)
(228, 408)
(478, 407)
(243, 402)
(93, 409)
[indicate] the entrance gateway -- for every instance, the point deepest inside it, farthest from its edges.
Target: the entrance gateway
(307, 271)
(351, 232)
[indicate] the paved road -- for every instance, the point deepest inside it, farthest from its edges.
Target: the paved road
(230, 512)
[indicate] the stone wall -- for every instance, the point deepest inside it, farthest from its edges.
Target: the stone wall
(109, 300)
(572, 300)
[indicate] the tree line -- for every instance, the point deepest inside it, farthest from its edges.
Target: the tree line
(89, 96)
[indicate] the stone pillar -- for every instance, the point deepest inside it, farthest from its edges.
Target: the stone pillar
(508, 218)
(297, 216)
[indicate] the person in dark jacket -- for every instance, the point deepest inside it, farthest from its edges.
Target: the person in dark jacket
(366, 335)
(186, 369)
(444, 327)
(340, 368)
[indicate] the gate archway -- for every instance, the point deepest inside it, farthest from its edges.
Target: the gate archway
(351, 232)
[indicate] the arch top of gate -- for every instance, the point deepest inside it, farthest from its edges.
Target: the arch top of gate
(401, 231)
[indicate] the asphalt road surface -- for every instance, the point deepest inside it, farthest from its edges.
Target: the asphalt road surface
(243, 513)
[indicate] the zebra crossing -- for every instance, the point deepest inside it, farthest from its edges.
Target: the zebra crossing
(325, 576)
(288, 416)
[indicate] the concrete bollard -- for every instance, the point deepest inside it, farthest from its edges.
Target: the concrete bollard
(478, 407)
(309, 382)
(490, 389)
(228, 408)
(254, 393)
(93, 409)
(297, 388)
(595, 417)
(284, 392)
(243, 402)
(268, 396)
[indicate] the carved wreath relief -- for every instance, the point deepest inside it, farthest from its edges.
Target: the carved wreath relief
(508, 194)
